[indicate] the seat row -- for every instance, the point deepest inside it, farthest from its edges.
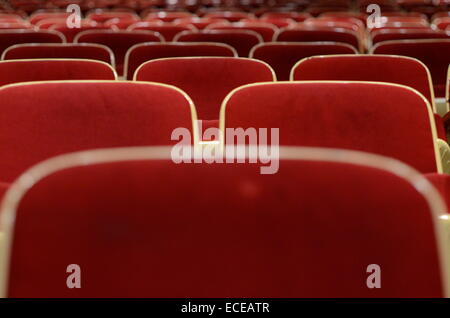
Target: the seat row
(128, 55)
(207, 80)
(320, 227)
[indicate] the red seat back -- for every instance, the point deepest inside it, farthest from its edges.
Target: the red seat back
(167, 30)
(241, 40)
(12, 37)
(36, 70)
(66, 50)
(141, 231)
(350, 115)
(118, 41)
(434, 53)
(405, 34)
(42, 120)
(144, 52)
(207, 80)
(283, 56)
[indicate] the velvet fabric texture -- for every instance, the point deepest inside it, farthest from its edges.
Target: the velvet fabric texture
(119, 42)
(266, 30)
(44, 120)
(283, 56)
(151, 51)
(68, 51)
(404, 34)
(387, 120)
(435, 54)
(11, 37)
(242, 40)
(139, 221)
(207, 80)
(308, 34)
(53, 70)
(167, 30)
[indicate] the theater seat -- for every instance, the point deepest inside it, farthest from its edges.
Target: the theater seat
(17, 71)
(253, 236)
(143, 52)
(12, 37)
(405, 34)
(434, 53)
(118, 41)
(207, 80)
(167, 30)
(387, 119)
(282, 56)
(45, 119)
(305, 33)
(396, 69)
(241, 40)
(64, 50)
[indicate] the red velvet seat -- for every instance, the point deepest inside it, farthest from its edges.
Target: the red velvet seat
(405, 34)
(104, 16)
(166, 16)
(380, 118)
(46, 24)
(71, 33)
(142, 231)
(199, 78)
(198, 23)
(266, 30)
(144, 52)
(283, 56)
(441, 23)
(35, 70)
(167, 30)
(241, 40)
(64, 50)
(315, 34)
(230, 16)
(36, 17)
(434, 53)
(296, 16)
(118, 41)
(12, 37)
(42, 120)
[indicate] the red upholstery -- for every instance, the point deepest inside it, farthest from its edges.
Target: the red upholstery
(15, 26)
(283, 56)
(48, 23)
(105, 16)
(35, 18)
(441, 181)
(16, 71)
(404, 34)
(198, 77)
(121, 24)
(388, 120)
(435, 54)
(71, 33)
(66, 50)
(167, 16)
(198, 23)
(278, 22)
(144, 52)
(12, 37)
(296, 16)
(229, 15)
(161, 239)
(47, 119)
(118, 41)
(442, 23)
(241, 40)
(310, 34)
(167, 30)
(267, 31)
(3, 188)
(395, 69)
